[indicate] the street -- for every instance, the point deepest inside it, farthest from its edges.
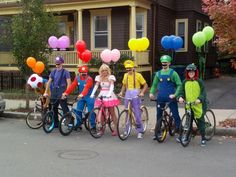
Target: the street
(32, 153)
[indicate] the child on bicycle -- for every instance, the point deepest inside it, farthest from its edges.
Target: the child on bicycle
(85, 86)
(193, 90)
(166, 82)
(106, 81)
(131, 85)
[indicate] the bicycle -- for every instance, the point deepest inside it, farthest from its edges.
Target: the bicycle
(69, 121)
(165, 124)
(127, 119)
(34, 118)
(48, 118)
(102, 117)
(188, 131)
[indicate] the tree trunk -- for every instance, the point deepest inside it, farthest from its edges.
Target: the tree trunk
(26, 97)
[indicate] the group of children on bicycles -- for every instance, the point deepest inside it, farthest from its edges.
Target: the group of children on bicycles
(166, 84)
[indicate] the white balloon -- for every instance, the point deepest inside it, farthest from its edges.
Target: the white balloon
(35, 81)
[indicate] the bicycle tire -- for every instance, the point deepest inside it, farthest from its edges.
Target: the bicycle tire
(185, 135)
(210, 124)
(171, 125)
(124, 125)
(99, 128)
(48, 122)
(111, 124)
(34, 119)
(144, 117)
(161, 130)
(66, 124)
(86, 121)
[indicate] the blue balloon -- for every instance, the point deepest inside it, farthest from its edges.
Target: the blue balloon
(172, 37)
(177, 43)
(166, 42)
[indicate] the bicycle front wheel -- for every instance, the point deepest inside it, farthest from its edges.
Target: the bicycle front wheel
(171, 125)
(210, 124)
(48, 122)
(144, 117)
(124, 125)
(97, 125)
(66, 124)
(185, 135)
(34, 119)
(161, 130)
(110, 120)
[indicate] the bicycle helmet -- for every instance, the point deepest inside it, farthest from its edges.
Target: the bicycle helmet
(191, 67)
(165, 58)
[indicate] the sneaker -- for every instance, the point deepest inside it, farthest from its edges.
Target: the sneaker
(154, 137)
(203, 143)
(114, 133)
(177, 138)
(140, 136)
(93, 130)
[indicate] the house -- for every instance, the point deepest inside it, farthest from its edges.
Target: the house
(111, 23)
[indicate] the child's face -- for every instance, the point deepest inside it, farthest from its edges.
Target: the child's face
(191, 74)
(104, 73)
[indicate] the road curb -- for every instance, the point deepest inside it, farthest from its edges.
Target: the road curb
(220, 131)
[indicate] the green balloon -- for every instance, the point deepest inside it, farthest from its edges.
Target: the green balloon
(209, 32)
(199, 39)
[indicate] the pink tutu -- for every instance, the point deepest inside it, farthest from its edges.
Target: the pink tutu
(108, 102)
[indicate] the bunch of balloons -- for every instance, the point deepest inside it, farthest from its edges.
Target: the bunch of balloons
(62, 43)
(200, 37)
(37, 67)
(108, 55)
(139, 45)
(172, 42)
(35, 81)
(82, 53)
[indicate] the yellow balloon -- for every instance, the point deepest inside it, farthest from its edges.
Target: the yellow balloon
(145, 42)
(139, 45)
(132, 44)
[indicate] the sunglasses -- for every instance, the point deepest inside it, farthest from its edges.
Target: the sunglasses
(58, 64)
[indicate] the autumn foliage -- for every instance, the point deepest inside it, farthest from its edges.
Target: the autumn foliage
(223, 15)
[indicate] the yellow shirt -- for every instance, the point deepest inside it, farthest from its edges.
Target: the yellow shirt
(139, 80)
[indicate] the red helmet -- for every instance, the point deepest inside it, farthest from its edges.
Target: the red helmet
(83, 69)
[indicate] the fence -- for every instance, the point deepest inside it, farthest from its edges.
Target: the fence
(11, 80)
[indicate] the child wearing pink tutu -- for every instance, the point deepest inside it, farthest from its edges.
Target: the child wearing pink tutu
(106, 82)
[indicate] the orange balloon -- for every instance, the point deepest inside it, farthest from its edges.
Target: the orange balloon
(39, 67)
(31, 61)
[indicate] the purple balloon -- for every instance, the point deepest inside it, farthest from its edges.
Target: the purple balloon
(53, 42)
(63, 42)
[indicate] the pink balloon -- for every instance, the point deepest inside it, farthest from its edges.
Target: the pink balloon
(115, 55)
(63, 42)
(53, 42)
(106, 55)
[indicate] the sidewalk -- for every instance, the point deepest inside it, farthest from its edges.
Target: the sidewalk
(221, 115)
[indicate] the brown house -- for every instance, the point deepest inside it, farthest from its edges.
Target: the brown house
(110, 24)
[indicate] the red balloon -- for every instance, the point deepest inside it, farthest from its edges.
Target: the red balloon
(79, 55)
(80, 46)
(86, 56)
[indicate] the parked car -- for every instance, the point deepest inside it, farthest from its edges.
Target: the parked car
(2, 105)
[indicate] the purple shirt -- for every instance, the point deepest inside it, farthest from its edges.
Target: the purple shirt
(56, 75)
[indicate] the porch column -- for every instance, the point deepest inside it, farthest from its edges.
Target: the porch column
(133, 22)
(80, 25)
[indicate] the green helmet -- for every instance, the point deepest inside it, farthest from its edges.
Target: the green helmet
(191, 67)
(165, 58)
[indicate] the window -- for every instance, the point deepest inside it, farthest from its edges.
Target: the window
(101, 27)
(5, 34)
(198, 25)
(182, 31)
(139, 25)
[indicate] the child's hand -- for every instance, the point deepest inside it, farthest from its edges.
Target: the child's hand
(151, 96)
(197, 101)
(120, 94)
(171, 96)
(45, 95)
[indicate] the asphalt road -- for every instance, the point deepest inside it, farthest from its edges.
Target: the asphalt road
(32, 153)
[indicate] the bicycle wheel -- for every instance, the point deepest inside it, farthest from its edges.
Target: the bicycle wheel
(144, 117)
(86, 121)
(98, 129)
(210, 124)
(124, 125)
(185, 134)
(48, 122)
(110, 121)
(161, 130)
(34, 119)
(66, 124)
(171, 125)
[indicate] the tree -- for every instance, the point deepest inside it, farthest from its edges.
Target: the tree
(223, 15)
(30, 32)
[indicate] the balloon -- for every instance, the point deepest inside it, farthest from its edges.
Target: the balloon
(39, 67)
(35, 81)
(145, 43)
(79, 55)
(166, 42)
(115, 55)
(86, 56)
(53, 42)
(132, 44)
(209, 32)
(139, 45)
(63, 42)
(177, 43)
(106, 55)
(80, 46)
(31, 62)
(199, 39)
